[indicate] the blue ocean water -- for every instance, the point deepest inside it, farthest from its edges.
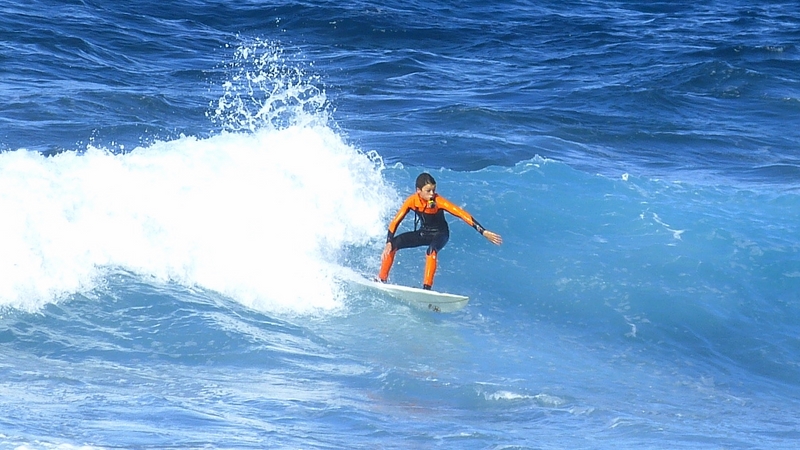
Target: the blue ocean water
(186, 187)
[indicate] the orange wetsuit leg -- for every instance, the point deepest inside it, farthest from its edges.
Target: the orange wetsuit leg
(430, 270)
(386, 266)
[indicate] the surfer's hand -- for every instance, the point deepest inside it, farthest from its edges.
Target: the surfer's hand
(386, 250)
(494, 238)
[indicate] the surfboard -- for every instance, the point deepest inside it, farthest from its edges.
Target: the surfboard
(421, 298)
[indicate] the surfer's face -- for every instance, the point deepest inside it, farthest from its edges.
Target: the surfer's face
(427, 192)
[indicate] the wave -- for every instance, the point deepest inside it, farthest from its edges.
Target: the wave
(258, 212)
(706, 269)
(255, 216)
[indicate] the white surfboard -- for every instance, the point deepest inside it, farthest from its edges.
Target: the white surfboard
(420, 298)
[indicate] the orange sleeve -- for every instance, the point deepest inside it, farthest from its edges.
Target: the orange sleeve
(459, 212)
(454, 210)
(401, 214)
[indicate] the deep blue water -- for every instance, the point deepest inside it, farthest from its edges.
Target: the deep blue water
(185, 188)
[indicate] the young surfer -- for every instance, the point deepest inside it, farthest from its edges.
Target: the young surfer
(429, 208)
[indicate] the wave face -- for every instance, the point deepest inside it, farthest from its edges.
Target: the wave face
(186, 190)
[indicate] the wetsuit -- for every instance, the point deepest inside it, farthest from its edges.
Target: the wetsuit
(433, 231)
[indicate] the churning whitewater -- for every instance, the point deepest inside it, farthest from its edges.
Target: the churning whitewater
(188, 189)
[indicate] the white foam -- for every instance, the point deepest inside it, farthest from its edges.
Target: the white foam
(257, 216)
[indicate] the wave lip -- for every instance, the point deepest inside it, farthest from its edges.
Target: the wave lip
(255, 216)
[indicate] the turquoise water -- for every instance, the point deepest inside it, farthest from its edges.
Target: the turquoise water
(186, 189)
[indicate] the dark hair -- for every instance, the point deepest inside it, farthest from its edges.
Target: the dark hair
(425, 179)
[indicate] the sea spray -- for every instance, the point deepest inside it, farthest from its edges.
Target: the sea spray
(265, 89)
(259, 212)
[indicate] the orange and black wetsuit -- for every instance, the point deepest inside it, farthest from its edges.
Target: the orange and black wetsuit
(433, 231)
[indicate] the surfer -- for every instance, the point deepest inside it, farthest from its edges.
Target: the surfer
(429, 208)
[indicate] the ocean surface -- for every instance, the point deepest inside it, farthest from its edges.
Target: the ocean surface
(187, 187)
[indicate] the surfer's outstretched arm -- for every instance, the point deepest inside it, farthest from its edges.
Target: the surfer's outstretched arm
(493, 237)
(459, 212)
